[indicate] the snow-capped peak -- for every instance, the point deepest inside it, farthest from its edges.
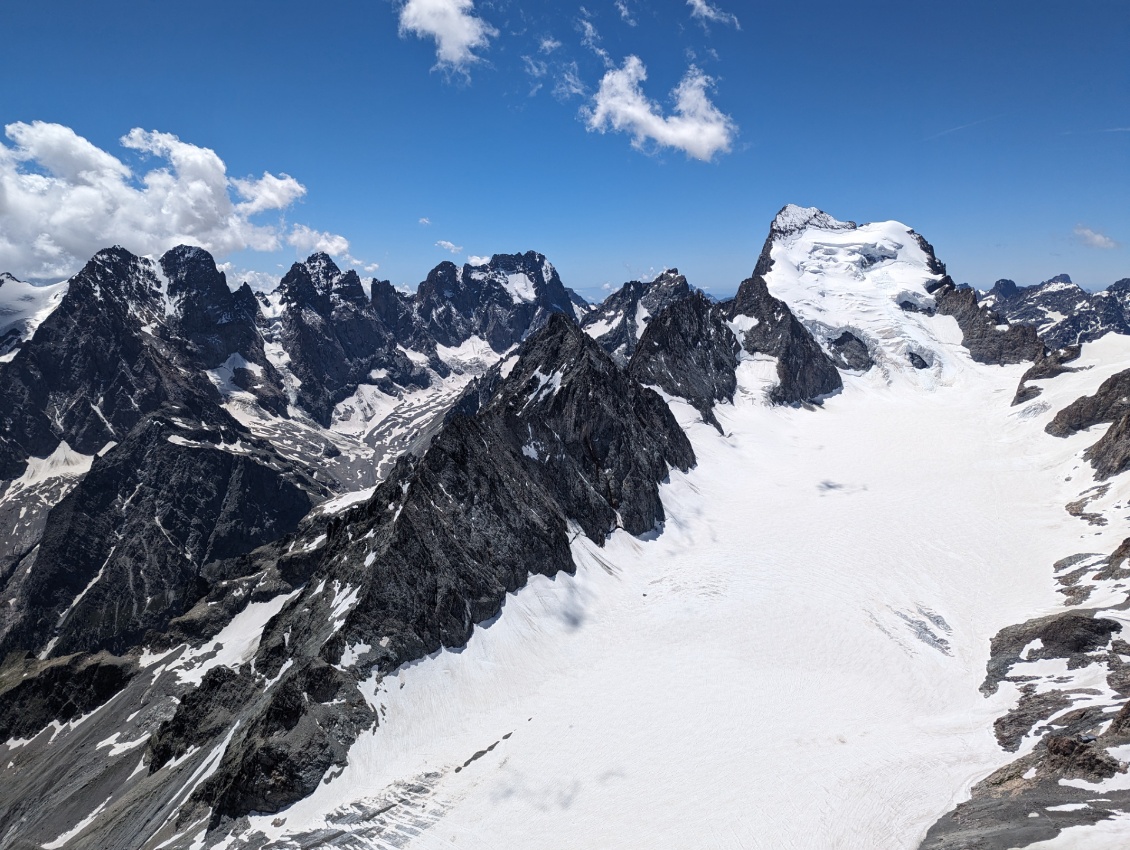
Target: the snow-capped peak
(872, 280)
(793, 218)
(323, 270)
(23, 307)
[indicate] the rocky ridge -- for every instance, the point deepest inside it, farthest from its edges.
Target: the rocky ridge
(1063, 313)
(414, 567)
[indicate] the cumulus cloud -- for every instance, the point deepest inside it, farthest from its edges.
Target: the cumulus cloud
(704, 12)
(477, 261)
(62, 198)
(448, 246)
(308, 240)
(1094, 239)
(260, 281)
(697, 127)
(369, 268)
(457, 31)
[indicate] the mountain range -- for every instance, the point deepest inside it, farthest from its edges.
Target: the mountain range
(834, 562)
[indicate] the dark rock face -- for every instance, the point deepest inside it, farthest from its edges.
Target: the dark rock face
(1111, 402)
(1032, 708)
(1063, 313)
(501, 301)
(91, 372)
(805, 371)
(436, 549)
(619, 321)
(210, 323)
(335, 338)
(394, 309)
(850, 353)
(689, 352)
(1111, 454)
(1048, 364)
(1024, 802)
(125, 551)
(205, 713)
(1070, 635)
(32, 693)
(1076, 759)
(989, 338)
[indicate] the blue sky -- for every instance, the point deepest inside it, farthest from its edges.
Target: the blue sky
(1000, 131)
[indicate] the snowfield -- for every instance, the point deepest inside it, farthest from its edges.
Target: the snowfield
(793, 662)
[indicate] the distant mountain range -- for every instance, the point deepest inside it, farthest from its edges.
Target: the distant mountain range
(233, 519)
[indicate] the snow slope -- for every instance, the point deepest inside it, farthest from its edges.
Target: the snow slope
(793, 662)
(23, 307)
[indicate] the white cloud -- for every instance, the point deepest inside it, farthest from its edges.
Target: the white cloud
(62, 199)
(697, 127)
(1094, 239)
(477, 261)
(702, 10)
(306, 239)
(448, 246)
(569, 83)
(259, 281)
(549, 44)
(625, 13)
(535, 67)
(361, 264)
(590, 38)
(425, 221)
(457, 31)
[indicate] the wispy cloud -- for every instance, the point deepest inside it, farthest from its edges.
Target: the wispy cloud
(457, 31)
(425, 221)
(64, 198)
(536, 68)
(590, 38)
(961, 127)
(449, 246)
(569, 83)
(625, 12)
(1094, 239)
(697, 127)
(706, 13)
(548, 44)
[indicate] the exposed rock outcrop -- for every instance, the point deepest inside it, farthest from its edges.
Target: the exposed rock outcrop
(688, 351)
(618, 323)
(989, 337)
(435, 551)
(335, 339)
(1048, 364)
(126, 550)
(805, 371)
(1064, 313)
